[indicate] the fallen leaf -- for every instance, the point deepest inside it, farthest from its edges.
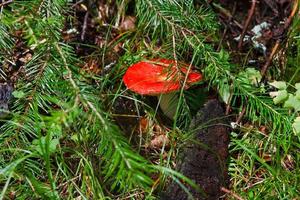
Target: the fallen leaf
(281, 85)
(159, 142)
(128, 24)
(288, 163)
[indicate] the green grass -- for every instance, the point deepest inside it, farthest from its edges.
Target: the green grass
(264, 160)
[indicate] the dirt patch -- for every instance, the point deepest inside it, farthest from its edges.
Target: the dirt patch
(203, 160)
(256, 32)
(126, 114)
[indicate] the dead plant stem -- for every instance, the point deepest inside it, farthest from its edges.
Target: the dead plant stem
(231, 193)
(250, 14)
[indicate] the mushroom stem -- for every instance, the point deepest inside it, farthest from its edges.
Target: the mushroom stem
(168, 103)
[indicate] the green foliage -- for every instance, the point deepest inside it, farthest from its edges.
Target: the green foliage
(274, 142)
(53, 103)
(6, 41)
(296, 125)
(184, 30)
(61, 144)
(287, 99)
(240, 88)
(250, 76)
(160, 18)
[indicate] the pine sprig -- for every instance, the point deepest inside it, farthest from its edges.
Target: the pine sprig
(6, 42)
(160, 17)
(190, 42)
(54, 99)
(157, 18)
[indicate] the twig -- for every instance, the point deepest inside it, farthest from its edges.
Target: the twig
(75, 4)
(174, 46)
(84, 26)
(229, 101)
(294, 10)
(231, 193)
(227, 109)
(270, 58)
(222, 38)
(276, 46)
(227, 14)
(5, 2)
(226, 28)
(250, 14)
(77, 89)
(241, 115)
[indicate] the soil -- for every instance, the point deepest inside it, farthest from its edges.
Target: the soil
(126, 114)
(256, 48)
(203, 159)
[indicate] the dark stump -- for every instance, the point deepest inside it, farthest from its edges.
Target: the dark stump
(5, 97)
(204, 160)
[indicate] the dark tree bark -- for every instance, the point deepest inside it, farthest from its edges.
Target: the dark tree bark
(204, 159)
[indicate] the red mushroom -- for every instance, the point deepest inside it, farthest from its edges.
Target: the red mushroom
(161, 77)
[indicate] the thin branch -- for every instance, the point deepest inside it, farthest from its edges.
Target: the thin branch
(270, 58)
(241, 115)
(228, 107)
(294, 10)
(251, 12)
(5, 2)
(77, 89)
(227, 14)
(231, 193)
(77, 3)
(174, 46)
(226, 28)
(84, 26)
(276, 46)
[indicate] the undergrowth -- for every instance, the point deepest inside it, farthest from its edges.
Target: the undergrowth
(59, 140)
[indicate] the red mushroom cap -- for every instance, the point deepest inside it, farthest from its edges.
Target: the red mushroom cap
(159, 76)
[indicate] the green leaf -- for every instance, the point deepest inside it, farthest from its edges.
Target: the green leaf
(55, 130)
(42, 189)
(250, 76)
(53, 144)
(40, 145)
(279, 96)
(9, 168)
(253, 75)
(297, 86)
(297, 94)
(296, 125)
(224, 91)
(281, 85)
(18, 94)
(292, 102)
(74, 137)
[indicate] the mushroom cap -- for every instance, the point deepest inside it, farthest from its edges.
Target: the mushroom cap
(159, 76)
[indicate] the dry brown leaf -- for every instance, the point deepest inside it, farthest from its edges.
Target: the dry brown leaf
(128, 24)
(288, 163)
(143, 125)
(159, 142)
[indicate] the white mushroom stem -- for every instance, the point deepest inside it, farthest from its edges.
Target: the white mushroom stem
(168, 104)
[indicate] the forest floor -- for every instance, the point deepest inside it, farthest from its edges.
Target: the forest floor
(258, 35)
(254, 33)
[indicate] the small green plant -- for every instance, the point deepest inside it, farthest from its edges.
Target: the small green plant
(290, 100)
